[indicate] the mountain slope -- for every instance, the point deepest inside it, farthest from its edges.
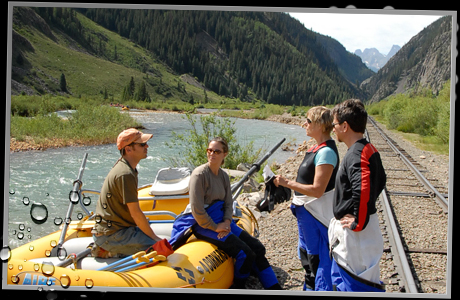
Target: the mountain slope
(271, 54)
(350, 65)
(234, 54)
(424, 62)
(92, 58)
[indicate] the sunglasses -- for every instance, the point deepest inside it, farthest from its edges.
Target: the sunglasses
(211, 151)
(140, 144)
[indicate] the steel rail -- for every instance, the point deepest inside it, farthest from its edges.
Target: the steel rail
(400, 253)
(441, 199)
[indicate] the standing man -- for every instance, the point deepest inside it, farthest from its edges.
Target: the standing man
(355, 240)
(121, 227)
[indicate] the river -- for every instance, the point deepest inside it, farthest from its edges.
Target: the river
(46, 177)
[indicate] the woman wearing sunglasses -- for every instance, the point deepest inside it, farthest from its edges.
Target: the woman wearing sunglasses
(313, 195)
(210, 215)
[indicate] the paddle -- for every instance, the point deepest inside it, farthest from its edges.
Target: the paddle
(140, 262)
(74, 197)
(236, 187)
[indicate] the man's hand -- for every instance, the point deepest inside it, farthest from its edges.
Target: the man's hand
(347, 221)
(141, 220)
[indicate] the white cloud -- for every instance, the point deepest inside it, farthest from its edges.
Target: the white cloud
(360, 31)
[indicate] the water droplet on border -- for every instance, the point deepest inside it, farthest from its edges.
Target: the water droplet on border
(86, 201)
(39, 213)
(57, 221)
(5, 254)
(47, 268)
(98, 219)
(74, 197)
(65, 281)
(89, 283)
(15, 279)
(61, 253)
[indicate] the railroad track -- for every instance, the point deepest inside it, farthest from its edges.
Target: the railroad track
(413, 217)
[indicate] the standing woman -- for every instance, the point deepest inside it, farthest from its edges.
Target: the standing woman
(312, 202)
(210, 213)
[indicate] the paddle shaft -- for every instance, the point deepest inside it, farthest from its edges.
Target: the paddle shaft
(69, 261)
(76, 190)
(256, 167)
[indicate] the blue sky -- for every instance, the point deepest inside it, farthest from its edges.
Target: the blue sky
(360, 31)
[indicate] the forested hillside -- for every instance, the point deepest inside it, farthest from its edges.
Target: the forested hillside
(231, 53)
(270, 53)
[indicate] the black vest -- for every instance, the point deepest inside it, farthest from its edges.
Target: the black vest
(306, 172)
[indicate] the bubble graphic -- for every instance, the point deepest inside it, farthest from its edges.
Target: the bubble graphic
(25, 201)
(65, 281)
(74, 197)
(39, 213)
(61, 253)
(86, 201)
(98, 219)
(15, 279)
(5, 254)
(57, 221)
(47, 268)
(89, 283)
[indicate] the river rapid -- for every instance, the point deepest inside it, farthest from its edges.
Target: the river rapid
(40, 181)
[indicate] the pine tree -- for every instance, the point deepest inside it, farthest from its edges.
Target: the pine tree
(141, 94)
(63, 83)
(131, 87)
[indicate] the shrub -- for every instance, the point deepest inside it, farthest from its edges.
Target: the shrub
(195, 142)
(420, 113)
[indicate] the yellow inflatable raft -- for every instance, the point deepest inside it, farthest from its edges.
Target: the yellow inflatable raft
(195, 264)
(63, 258)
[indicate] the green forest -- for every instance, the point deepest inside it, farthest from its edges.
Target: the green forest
(231, 53)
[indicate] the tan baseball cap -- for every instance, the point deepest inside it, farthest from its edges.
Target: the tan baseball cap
(132, 135)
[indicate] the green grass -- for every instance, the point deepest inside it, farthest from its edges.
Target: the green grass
(90, 124)
(91, 75)
(420, 117)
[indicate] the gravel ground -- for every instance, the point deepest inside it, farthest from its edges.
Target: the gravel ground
(278, 230)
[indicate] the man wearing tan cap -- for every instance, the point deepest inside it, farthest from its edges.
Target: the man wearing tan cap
(121, 227)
